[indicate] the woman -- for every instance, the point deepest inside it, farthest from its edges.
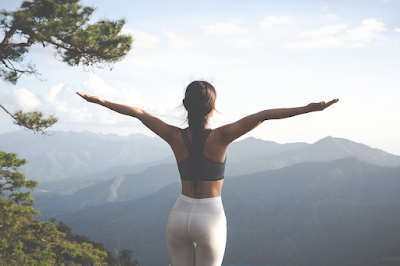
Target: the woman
(196, 229)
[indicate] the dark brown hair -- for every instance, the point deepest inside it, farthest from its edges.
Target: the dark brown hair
(199, 102)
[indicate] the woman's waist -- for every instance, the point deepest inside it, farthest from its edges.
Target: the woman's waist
(200, 200)
(204, 189)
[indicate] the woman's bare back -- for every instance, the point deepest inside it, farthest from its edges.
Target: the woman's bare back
(213, 150)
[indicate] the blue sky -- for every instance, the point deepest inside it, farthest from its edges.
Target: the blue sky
(258, 55)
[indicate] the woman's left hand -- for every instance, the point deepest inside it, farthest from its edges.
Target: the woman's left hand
(321, 105)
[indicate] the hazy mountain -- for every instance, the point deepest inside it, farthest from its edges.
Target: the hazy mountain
(97, 191)
(238, 151)
(114, 136)
(344, 212)
(68, 159)
(122, 186)
(71, 153)
(77, 182)
(326, 149)
(251, 148)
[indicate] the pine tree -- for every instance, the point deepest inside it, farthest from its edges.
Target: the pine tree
(65, 26)
(25, 240)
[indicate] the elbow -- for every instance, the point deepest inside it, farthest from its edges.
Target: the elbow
(137, 112)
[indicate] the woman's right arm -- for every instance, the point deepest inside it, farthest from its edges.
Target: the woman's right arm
(230, 132)
(162, 129)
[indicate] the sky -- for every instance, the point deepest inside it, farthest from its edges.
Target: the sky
(258, 55)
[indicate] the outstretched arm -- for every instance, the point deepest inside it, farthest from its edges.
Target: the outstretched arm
(153, 123)
(235, 130)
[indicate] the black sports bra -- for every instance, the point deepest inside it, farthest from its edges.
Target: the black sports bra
(209, 169)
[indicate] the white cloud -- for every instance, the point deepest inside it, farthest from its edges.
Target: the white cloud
(142, 39)
(51, 98)
(324, 31)
(367, 31)
(94, 85)
(25, 99)
(271, 22)
(51, 95)
(107, 117)
(330, 17)
(340, 36)
(80, 115)
(325, 8)
(242, 42)
(163, 108)
(130, 97)
(397, 30)
(223, 29)
(176, 42)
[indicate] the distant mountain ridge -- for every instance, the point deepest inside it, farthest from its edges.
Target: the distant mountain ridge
(117, 184)
(251, 148)
(71, 153)
(79, 181)
(326, 149)
(120, 188)
(252, 155)
(343, 212)
(238, 151)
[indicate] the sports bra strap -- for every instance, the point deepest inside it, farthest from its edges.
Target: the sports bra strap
(186, 140)
(203, 142)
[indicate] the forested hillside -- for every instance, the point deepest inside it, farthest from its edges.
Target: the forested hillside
(25, 240)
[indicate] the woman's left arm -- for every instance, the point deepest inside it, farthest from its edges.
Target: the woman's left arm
(155, 124)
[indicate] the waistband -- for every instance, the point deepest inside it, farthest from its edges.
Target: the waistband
(204, 200)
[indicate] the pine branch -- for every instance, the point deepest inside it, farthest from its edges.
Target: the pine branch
(22, 44)
(64, 25)
(8, 112)
(9, 34)
(32, 121)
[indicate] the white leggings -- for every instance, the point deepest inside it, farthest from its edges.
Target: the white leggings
(196, 232)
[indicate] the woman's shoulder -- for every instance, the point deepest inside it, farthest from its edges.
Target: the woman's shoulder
(218, 134)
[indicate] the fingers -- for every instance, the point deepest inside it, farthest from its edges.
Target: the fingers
(89, 98)
(334, 101)
(331, 102)
(83, 95)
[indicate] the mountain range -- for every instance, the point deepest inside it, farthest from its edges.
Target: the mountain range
(67, 154)
(326, 149)
(333, 202)
(344, 212)
(69, 158)
(129, 182)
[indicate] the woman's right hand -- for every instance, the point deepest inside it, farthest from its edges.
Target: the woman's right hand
(89, 98)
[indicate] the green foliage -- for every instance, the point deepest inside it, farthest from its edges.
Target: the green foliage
(12, 181)
(124, 258)
(64, 25)
(24, 240)
(34, 121)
